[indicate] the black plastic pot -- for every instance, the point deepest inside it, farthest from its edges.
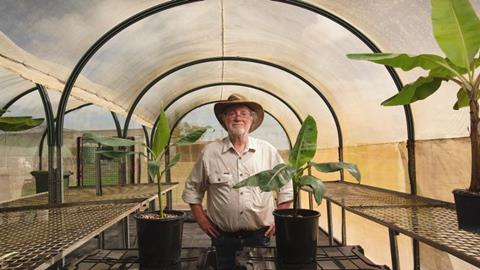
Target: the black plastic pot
(41, 180)
(467, 205)
(296, 237)
(160, 240)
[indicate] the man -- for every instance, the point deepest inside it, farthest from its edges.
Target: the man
(236, 217)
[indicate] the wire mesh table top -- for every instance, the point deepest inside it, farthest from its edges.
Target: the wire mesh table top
(354, 195)
(429, 221)
(39, 238)
(84, 195)
(436, 226)
(263, 258)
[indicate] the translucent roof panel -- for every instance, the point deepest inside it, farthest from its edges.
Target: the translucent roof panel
(41, 43)
(61, 31)
(11, 85)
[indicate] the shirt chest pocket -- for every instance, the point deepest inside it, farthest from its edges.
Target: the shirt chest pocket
(220, 179)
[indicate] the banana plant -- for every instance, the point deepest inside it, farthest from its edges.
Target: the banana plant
(456, 28)
(160, 146)
(299, 162)
(18, 123)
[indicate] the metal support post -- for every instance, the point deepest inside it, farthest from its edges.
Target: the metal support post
(416, 255)
(126, 232)
(329, 222)
(344, 228)
(310, 200)
(98, 175)
(394, 249)
(101, 241)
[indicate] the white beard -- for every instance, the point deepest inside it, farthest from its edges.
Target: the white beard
(238, 131)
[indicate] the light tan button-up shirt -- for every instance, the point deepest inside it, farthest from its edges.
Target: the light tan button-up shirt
(218, 168)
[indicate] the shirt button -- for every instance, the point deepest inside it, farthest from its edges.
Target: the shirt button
(218, 179)
(239, 157)
(241, 174)
(241, 193)
(241, 213)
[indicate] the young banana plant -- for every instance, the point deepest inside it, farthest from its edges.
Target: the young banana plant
(160, 146)
(299, 161)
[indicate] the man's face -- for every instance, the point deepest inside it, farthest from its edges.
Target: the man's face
(238, 120)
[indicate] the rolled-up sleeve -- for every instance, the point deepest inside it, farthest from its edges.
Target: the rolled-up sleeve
(195, 184)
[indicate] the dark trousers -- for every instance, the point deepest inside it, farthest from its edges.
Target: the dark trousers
(228, 243)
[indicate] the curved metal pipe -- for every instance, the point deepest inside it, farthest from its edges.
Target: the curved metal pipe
(242, 59)
(96, 46)
(396, 79)
(19, 96)
(117, 124)
(40, 146)
(226, 83)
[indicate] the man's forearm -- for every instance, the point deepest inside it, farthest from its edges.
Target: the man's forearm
(203, 221)
(285, 205)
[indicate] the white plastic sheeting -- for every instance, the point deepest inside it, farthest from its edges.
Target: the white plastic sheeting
(42, 41)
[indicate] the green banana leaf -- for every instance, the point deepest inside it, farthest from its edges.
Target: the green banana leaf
(422, 88)
(172, 163)
(161, 136)
(328, 167)
(192, 136)
(462, 99)
(110, 141)
(269, 180)
(153, 168)
(456, 28)
(316, 184)
(306, 144)
(408, 62)
(114, 154)
(19, 123)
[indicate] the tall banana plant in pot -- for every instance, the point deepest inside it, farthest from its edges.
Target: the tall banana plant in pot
(296, 229)
(159, 233)
(456, 28)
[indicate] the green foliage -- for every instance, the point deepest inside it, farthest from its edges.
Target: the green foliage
(299, 161)
(161, 136)
(462, 99)
(407, 62)
(306, 144)
(19, 123)
(191, 136)
(337, 166)
(317, 186)
(270, 180)
(160, 146)
(456, 28)
(110, 141)
(418, 90)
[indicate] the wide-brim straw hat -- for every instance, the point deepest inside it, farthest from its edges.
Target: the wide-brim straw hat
(236, 99)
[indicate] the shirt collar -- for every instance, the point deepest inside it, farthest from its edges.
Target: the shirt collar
(251, 145)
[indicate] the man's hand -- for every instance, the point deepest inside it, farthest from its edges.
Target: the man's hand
(270, 231)
(203, 221)
(285, 205)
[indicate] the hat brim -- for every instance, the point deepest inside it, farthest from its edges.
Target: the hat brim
(221, 106)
